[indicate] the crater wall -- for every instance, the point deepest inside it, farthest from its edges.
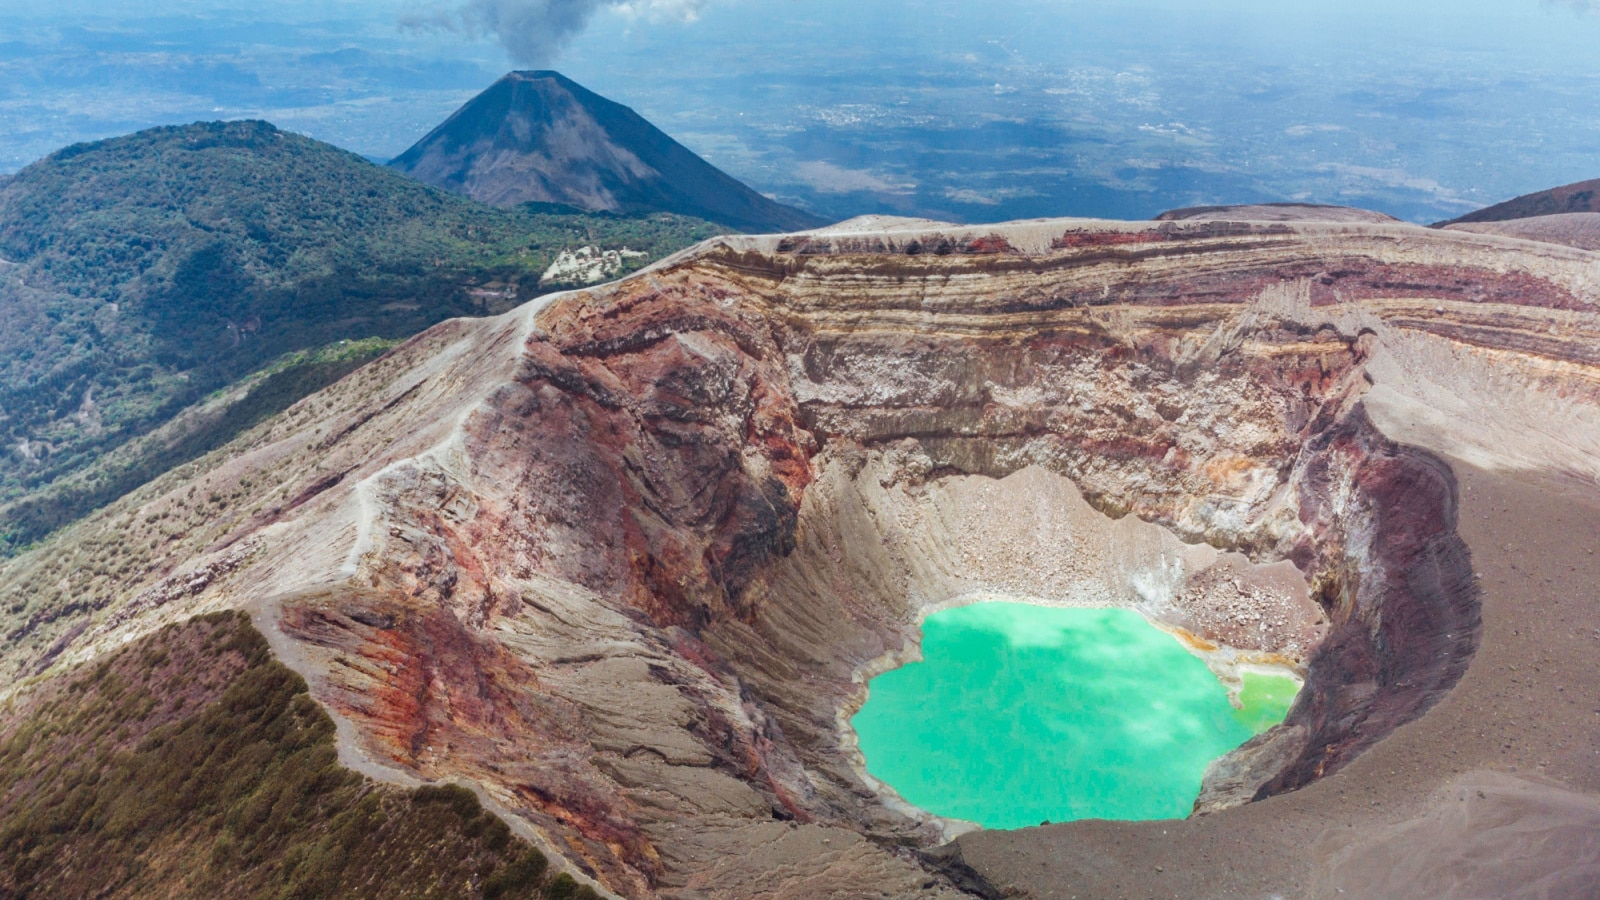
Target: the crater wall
(624, 559)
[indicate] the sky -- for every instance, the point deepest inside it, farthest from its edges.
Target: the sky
(1423, 109)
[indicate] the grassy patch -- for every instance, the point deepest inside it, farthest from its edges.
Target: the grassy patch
(189, 436)
(191, 764)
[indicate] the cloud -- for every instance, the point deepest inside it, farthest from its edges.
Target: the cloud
(827, 178)
(1304, 130)
(990, 197)
(535, 31)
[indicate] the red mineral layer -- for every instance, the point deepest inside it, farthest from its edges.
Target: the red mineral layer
(621, 560)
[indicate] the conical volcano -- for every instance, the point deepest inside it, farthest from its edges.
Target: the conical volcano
(541, 137)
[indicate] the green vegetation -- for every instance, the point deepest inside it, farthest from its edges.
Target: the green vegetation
(125, 544)
(140, 274)
(193, 433)
(191, 764)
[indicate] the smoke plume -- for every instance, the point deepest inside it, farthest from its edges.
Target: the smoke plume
(535, 31)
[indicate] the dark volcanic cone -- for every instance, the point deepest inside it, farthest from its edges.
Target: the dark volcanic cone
(540, 137)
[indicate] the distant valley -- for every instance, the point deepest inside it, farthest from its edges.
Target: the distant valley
(959, 113)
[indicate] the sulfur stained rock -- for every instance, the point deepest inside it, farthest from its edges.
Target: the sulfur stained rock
(625, 558)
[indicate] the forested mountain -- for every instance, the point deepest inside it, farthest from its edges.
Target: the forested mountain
(140, 274)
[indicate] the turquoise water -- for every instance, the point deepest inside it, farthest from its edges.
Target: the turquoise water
(1022, 714)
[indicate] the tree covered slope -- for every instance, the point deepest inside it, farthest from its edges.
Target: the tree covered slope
(140, 274)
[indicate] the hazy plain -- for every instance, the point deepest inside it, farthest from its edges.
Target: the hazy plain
(960, 111)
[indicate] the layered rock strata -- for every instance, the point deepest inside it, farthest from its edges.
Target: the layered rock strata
(624, 559)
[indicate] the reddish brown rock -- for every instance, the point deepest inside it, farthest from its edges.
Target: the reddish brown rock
(624, 560)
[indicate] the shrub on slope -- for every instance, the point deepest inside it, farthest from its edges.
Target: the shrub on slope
(139, 274)
(191, 764)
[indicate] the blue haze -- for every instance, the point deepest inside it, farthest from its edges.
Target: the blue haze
(956, 110)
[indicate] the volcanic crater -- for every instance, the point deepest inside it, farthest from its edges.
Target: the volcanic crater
(623, 559)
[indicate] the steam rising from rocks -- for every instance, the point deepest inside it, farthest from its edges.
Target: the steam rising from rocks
(535, 31)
